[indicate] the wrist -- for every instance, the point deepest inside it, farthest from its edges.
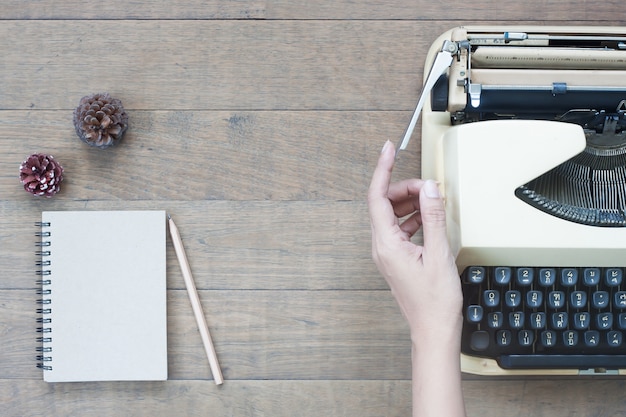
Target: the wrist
(438, 335)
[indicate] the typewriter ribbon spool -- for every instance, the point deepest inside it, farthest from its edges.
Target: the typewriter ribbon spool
(44, 350)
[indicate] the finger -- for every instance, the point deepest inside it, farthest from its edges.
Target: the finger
(433, 219)
(381, 211)
(406, 207)
(412, 224)
(405, 189)
(404, 196)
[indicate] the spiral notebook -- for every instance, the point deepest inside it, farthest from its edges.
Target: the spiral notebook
(103, 296)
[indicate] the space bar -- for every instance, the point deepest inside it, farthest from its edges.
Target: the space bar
(562, 361)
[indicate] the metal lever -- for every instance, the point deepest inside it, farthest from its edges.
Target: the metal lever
(440, 65)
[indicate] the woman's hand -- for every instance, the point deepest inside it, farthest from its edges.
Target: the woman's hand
(423, 279)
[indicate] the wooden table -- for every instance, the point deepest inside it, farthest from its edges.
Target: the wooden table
(257, 125)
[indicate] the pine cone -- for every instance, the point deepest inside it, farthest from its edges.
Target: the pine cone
(100, 120)
(41, 175)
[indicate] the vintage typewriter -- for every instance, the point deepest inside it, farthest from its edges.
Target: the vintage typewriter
(525, 129)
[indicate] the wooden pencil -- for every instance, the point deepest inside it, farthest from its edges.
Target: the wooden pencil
(195, 302)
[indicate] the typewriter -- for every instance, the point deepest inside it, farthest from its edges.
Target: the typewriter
(525, 129)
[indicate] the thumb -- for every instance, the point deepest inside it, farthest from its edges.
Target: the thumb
(433, 219)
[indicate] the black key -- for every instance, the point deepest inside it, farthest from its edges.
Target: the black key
(600, 299)
(516, 319)
(512, 298)
(613, 277)
(570, 338)
(495, 319)
(525, 276)
(581, 320)
(491, 298)
(479, 340)
(538, 320)
(614, 338)
(591, 276)
(604, 321)
(592, 338)
(475, 274)
(578, 299)
(525, 338)
(620, 299)
(503, 338)
(548, 338)
(556, 299)
(559, 320)
(569, 277)
(621, 321)
(562, 361)
(502, 275)
(547, 277)
(474, 313)
(534, 299)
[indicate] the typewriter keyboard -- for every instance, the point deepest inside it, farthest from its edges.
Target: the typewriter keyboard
(545, 317)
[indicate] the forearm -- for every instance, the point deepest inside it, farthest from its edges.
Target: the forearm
(437, 390)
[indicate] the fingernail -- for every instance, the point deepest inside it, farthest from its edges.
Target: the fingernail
(431, 190)
(385, 146)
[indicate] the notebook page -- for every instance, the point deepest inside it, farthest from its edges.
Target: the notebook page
(108, 296)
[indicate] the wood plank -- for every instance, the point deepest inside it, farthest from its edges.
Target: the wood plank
(545, 398)
(294, 335)
(195, 155)
(301, 9)
(498, 11)
(203, 398)
(137, 9)
(493, 398)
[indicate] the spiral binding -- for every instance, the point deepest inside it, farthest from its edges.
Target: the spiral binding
(43, 358)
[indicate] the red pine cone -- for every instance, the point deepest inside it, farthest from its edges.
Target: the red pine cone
(100, 120)
(41, 175)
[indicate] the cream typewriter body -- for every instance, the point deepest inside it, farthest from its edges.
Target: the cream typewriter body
(525, 129)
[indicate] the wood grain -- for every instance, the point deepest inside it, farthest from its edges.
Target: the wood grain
(597, 398)
(139, 9)
(493, 10)
(215, 64)
(257, 125)
(195, 155)
(200, 398)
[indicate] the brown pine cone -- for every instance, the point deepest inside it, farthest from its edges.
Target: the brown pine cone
(41, 175)
(100, 120)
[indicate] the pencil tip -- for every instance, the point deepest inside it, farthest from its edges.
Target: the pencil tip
(169, 217)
